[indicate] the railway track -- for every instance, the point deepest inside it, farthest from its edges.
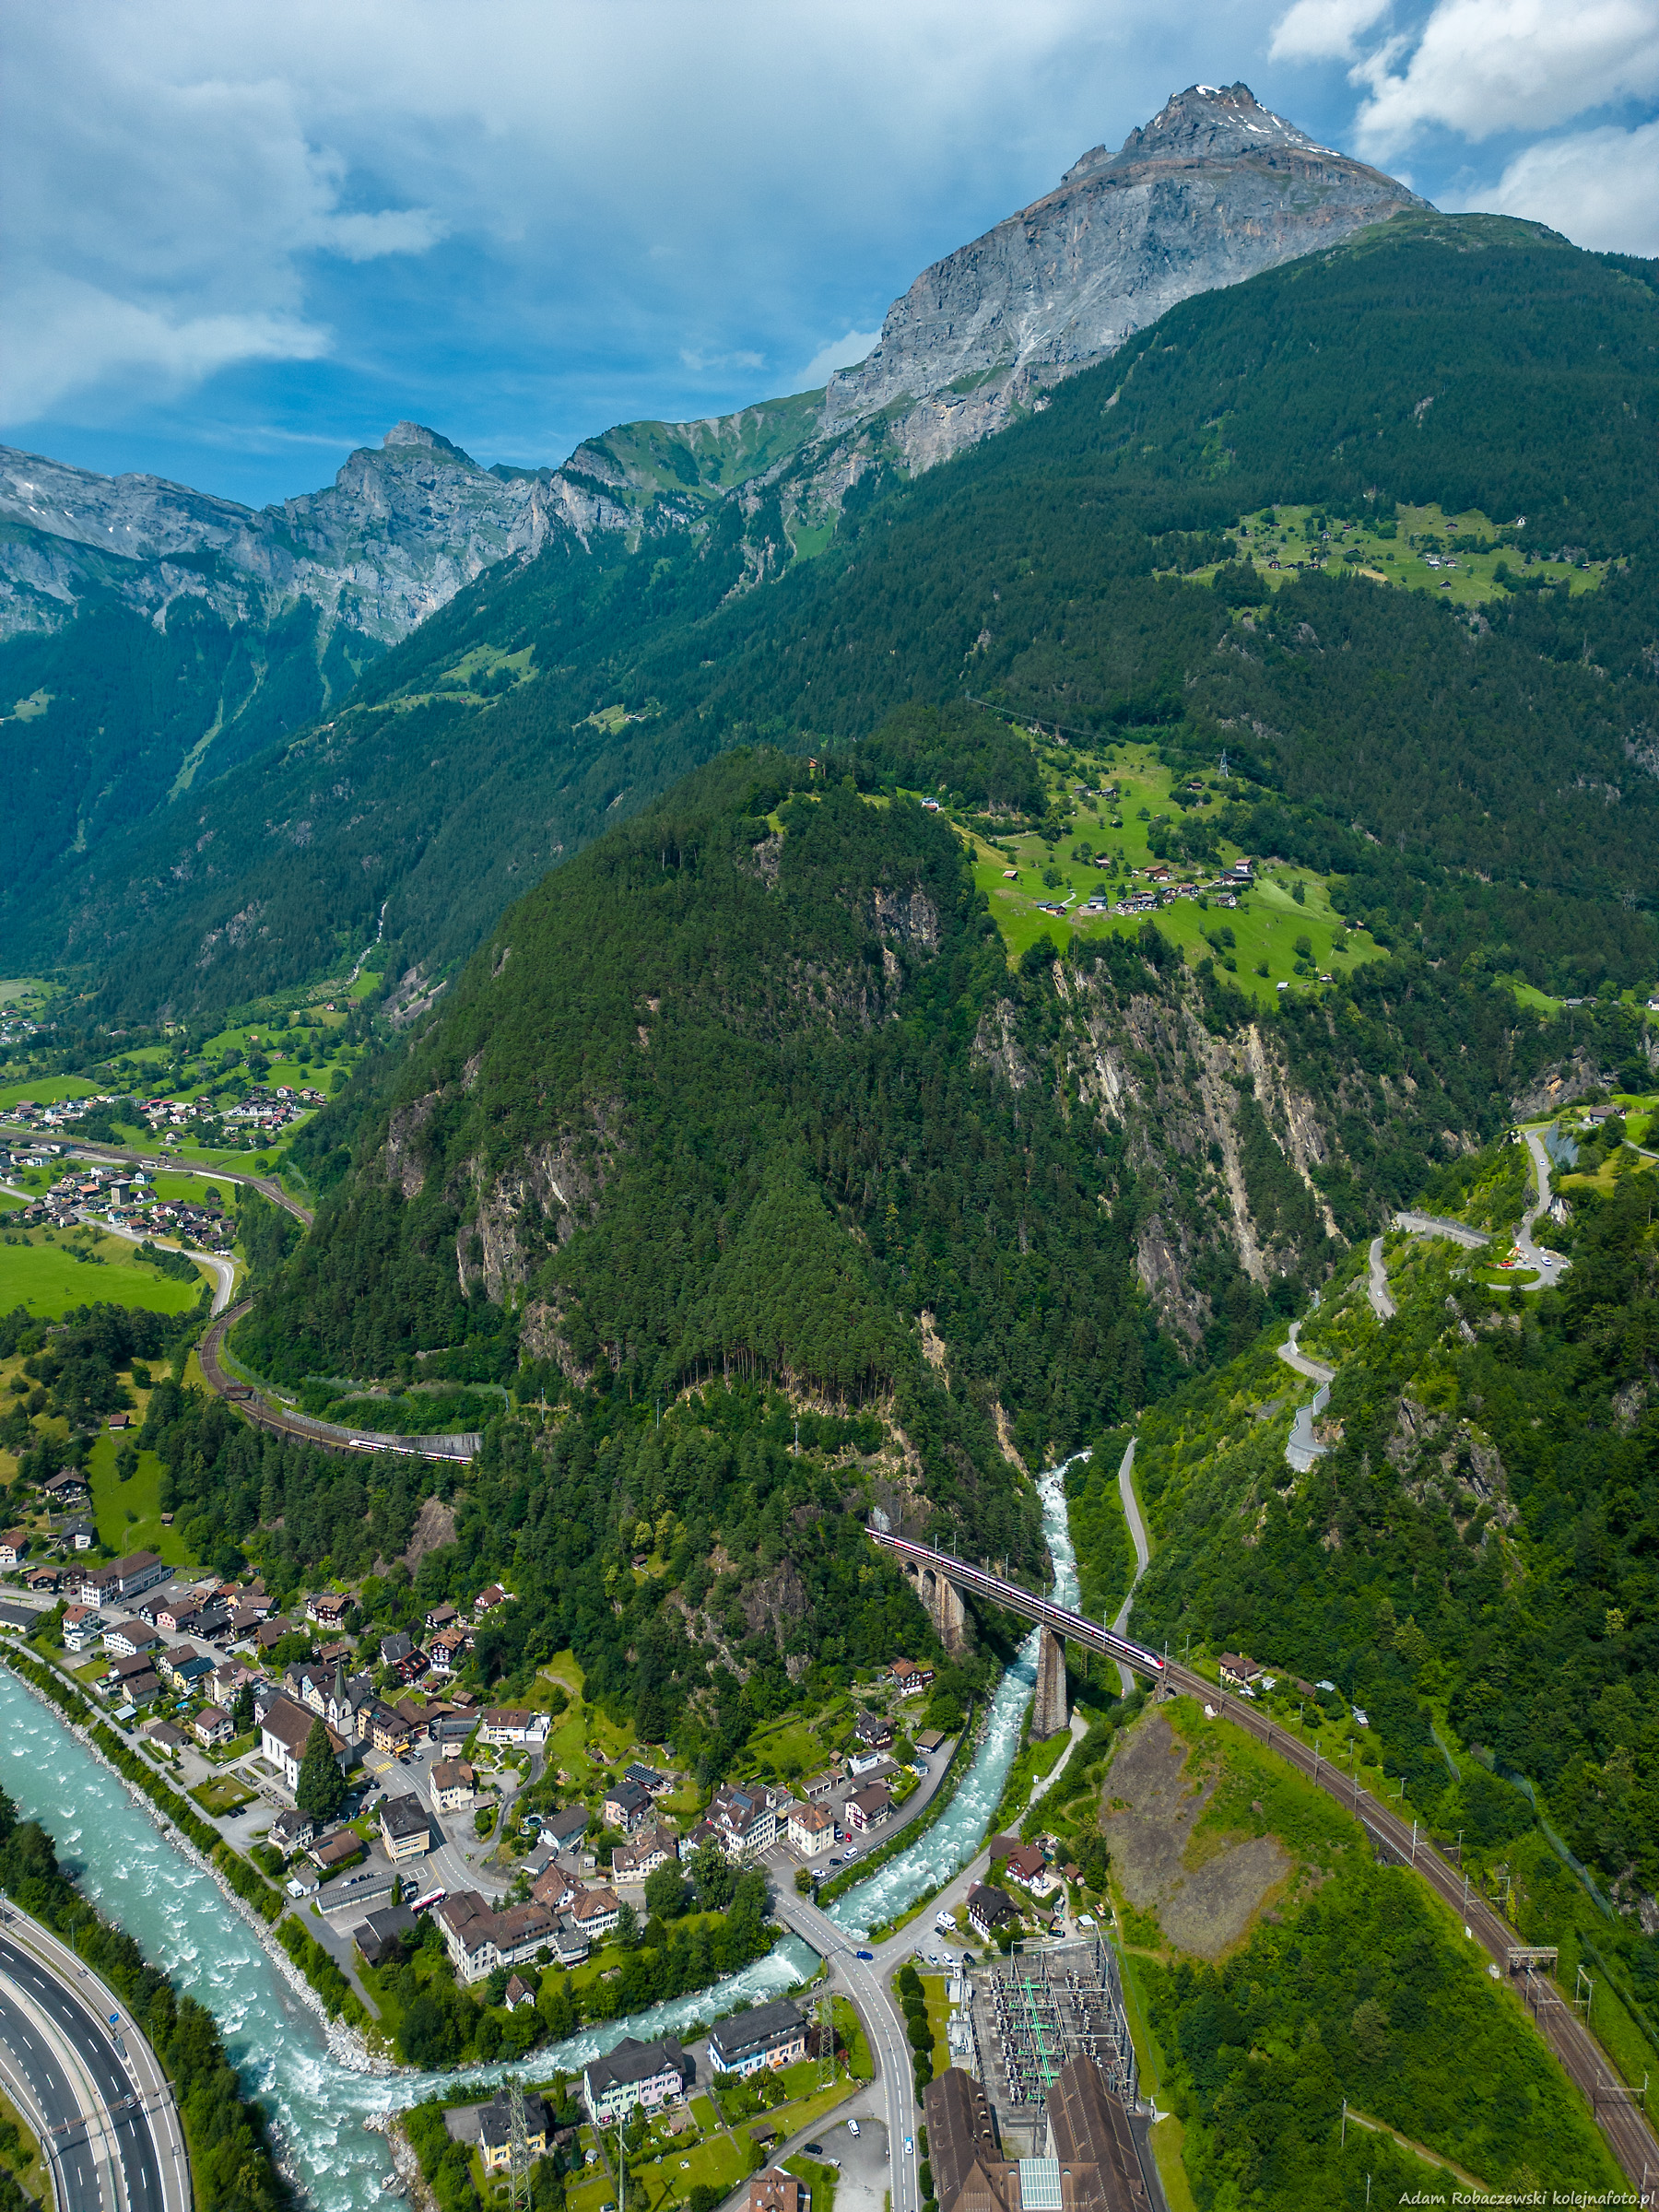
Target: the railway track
(1622, 2123)
(300, 1426)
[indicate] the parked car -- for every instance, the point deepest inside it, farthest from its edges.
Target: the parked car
(852, 2127)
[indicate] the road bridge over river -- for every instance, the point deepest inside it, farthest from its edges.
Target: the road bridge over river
(1621, 2119)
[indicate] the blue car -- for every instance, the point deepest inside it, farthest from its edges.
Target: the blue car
(863, 1954)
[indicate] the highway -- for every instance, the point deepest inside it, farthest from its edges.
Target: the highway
(1623, 2123)
(90, 2079)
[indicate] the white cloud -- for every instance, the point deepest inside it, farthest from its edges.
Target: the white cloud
(61, 336)
(1485, 67)
(201, 162)
(1323, 31)
(700, 363)
(1601, 187)
(841, 353)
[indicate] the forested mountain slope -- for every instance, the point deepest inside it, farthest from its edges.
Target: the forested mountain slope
(1472, 1561)
(1454, 759)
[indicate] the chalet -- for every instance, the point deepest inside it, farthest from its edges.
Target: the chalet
(911, 1678)
(555, 1889)
(441, 1617)
(13, 1545)
(1236, 1671)
(518, 1996)
(212, 1725)
(447, 1650)
(488, 1600)
(1029, 1870)
(270, 1633)
(989, 1909)
(292, 1830)
(42, 1580)
(873, 1730)
(65, 1489)
(626, 1805)
(869, 1807)
(328, 1609)
(766, 2035)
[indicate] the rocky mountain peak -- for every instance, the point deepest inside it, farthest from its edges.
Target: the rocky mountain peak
(417, 433)
(1204, 123)
(1212, 190)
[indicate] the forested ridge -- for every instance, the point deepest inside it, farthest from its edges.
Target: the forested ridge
(1043, 570)
(1472, 1561)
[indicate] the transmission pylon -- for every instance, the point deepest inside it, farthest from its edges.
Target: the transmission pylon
(518, 2145)
(826, 2027)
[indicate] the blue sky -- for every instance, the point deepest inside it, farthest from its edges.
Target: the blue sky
(241, 241)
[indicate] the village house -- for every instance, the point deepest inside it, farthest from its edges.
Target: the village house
(127, 1638)
(1236, 1671)
(212, 1725)
(595, 1912)
(634, 2075)
(772, 2190)
(328, 1609)
(495, 2124)
(452, 1781)
(812, 1830)
(911, 1677)
(626, 1805)
(404, 1829)
(869, 1807)
(989, 1909)
(13, 1545)
(651, 1848)
(766, 2035)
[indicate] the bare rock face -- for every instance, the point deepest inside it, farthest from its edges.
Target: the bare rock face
(396, 535)
(1215, 188)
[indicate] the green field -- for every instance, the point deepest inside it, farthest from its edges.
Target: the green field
(1285, 536)
(129, 1513)
(45, 1090)
(44, 1278)
(1265, 925)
